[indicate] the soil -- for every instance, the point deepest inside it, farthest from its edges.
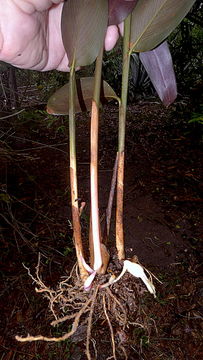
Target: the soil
(162, 217)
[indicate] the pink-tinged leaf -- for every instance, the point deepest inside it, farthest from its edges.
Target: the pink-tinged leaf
(159, 66)
(119, 10)
(89, 281)
(83, 27)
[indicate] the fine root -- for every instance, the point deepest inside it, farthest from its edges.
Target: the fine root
(69, 302)
(61, 338)
(89, 326)
(123, 316)
(110, 327)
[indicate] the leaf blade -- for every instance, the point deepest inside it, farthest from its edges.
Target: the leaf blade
(159, 66)
(58, 102)
(154, 20)
(83, 26)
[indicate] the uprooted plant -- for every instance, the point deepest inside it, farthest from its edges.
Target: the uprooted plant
(147, 23)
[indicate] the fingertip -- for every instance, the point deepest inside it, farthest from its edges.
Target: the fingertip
(112, 36)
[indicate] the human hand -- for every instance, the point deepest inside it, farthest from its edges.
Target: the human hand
(30, 34)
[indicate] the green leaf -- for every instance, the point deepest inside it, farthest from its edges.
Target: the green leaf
(154, 20)
(83, 26)
(58, 102)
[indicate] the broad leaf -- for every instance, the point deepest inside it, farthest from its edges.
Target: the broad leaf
(159, 66)
(83, 27)
(58, 103)
(119, 10)
(154, 20)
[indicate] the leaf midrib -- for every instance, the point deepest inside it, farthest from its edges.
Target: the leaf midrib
(148, 25)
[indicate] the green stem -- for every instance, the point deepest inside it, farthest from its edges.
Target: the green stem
(73, 176)
(121, 139)
(97, 77)
(125, 76)
(95, 224)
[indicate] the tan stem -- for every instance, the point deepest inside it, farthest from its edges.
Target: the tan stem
(94, 187)
(76, 223)
(119, 208)
(73, 177)
(91, 246)
(111, 197)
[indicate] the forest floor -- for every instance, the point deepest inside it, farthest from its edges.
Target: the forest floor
(162, 216)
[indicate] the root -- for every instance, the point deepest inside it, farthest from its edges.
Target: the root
(69, 302)
(123, 319)
(111, 328)
(124, 352)
(58, 339)
(89, 326)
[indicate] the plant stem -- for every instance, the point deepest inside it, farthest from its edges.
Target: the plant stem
(121, 140)
(73, 176)
(111, 197)
(95, 224)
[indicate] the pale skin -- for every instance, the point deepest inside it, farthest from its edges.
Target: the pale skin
(30, 34)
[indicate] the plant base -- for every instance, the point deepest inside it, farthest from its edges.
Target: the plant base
(117, 307)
